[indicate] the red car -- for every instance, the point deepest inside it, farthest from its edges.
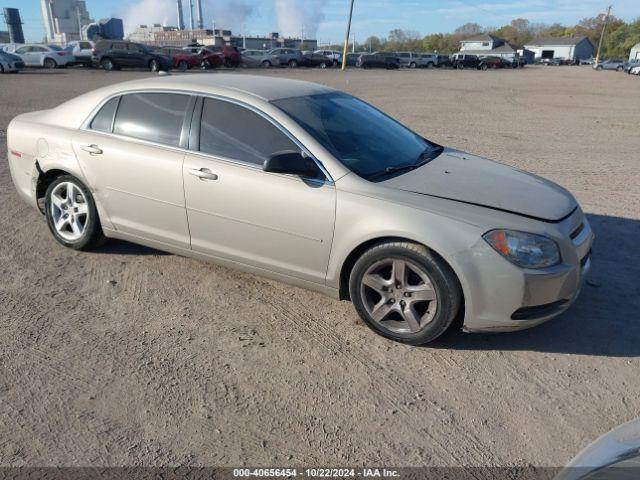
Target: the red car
(182, 59)
(208, 57)
(230, 55)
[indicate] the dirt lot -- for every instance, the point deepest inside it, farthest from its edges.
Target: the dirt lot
(128, 356)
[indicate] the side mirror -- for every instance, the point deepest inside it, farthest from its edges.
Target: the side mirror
(293, 163)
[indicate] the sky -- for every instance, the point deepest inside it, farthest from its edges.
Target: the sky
(326, 19)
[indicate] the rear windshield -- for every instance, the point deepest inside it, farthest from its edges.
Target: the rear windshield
(364, 139)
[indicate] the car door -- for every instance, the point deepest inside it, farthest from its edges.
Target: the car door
(25, 54)
(119, 53)
(237, 211)
(130, 153)
(137, 56)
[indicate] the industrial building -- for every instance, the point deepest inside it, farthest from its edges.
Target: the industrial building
(486, 44)
(563, 48)
(14, 26)
(64, 19)
(106, 28)
(635, 52)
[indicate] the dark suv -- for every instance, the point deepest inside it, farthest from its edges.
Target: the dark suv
(461, 60)
(117, 54)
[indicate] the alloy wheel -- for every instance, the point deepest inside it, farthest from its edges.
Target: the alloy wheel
(69, 211)
(399, 295)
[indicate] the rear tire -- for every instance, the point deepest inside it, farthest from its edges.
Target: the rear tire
(484, 66)
(619, 69)
(80, 210)
(154, 66)
(424, 295)
(266, 64)
(413, 65)
(323, 65)
(107, 64)
(50, 63)
(183, 66)
(293, 63)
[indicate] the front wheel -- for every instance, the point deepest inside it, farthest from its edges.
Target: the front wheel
(71, 214)
(293, 63)
(484, 66)
(404, 292)
(619, 69)
(323, 65)
(413, 65)
(183, 66)
(598, 68)
(460, 66)
(266, 64)
(154, 66)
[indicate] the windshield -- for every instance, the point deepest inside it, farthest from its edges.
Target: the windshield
(55, 47)
(364, 139)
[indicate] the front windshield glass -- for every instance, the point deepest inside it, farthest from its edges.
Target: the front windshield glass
(364, 139)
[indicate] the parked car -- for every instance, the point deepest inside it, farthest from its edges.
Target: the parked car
(82, 51)
(409, 59)
(428, 60)
(117, 54)
(444, 61)
(180, 58)
(352, 58)
(628, 65)
(230, 54)
(47, 56)
(610, 64)
(313, 59)
(490, 62)
(312, 186)
(462, 60)
(635, 70)
(10, 63)
(554, 62)
(335, 57)
(586, 61)
(287, 56)
(208, 58)
(379, 60)
(259, 58)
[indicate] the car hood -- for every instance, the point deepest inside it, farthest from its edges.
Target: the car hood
(462, 177)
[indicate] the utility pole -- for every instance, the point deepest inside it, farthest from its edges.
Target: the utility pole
(604, 27)
(346, 39)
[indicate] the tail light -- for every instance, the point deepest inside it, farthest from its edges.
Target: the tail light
(61, 54)
(93, 51)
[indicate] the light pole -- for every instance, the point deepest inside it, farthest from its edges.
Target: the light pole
(346, 40)
(604, 27)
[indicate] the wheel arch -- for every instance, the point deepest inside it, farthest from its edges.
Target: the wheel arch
(352, 258)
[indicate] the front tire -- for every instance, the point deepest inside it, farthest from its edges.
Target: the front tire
(107, 64)
(154, 65)
(413, 65)
(183, 66)
(404, 292)
(293, 63)
(266, 64)
(71, 214)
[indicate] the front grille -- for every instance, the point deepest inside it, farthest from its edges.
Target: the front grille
(577, 231)
(538, 311)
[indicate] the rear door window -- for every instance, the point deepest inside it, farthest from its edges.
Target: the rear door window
(156, 117)
(232, 131)
(103, 121)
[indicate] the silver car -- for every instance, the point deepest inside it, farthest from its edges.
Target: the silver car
(47, 56)
(259, 58)
(305, 184)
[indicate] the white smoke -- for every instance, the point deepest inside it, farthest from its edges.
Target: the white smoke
(229, 14)
(299, 17)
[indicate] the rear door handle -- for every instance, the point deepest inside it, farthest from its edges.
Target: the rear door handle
(92, 149)
(203, 173)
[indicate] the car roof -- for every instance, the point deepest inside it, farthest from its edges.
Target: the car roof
(265, 88)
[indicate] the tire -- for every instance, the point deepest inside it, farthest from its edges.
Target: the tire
(484, 66)
(205, 65)
(1, 68)
(598, 68)
(432, 313)
(183, 66)
(265, 64)
(460, 66)
(413, 65)
(88, 223)
(323, 65)
(107, 64)
(154, 66)
(430, 65)
(50, 63)
(292, 63)
(619, 69)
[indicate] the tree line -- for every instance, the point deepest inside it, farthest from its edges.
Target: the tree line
(619, 38)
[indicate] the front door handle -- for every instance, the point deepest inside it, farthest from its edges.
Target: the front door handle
(92, 149)
(203, 173)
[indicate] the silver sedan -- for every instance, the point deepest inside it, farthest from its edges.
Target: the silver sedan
(311, 186)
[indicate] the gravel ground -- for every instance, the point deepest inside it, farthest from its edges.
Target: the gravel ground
(128, 356)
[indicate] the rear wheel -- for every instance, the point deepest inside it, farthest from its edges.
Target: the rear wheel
(413, 65)
(71, 214)
(619, 69)
(484, 66)
(265, 64)
(430, 65)
(154, 65)
(323, 65)
(293, 63)
(598, 68)
(107, 64)
(404, 292)
(183, 66)
(50, 63)
(460, 66)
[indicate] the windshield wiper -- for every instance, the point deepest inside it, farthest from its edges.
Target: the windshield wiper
(402, 168)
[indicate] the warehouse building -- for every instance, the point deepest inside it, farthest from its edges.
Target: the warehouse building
(563, 48)
(635, 52)
(489, 45)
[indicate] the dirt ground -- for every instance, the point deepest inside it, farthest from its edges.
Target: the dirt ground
(128, 356)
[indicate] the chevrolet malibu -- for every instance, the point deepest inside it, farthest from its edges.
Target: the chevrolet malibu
(307, 185)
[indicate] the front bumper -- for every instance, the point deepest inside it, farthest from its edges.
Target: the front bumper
(502, 297)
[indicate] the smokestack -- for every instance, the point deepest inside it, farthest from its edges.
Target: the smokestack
(180, 16)
(14, 24)
(191, 15)
(199, 8)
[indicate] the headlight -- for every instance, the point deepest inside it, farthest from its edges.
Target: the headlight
(526, 250)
